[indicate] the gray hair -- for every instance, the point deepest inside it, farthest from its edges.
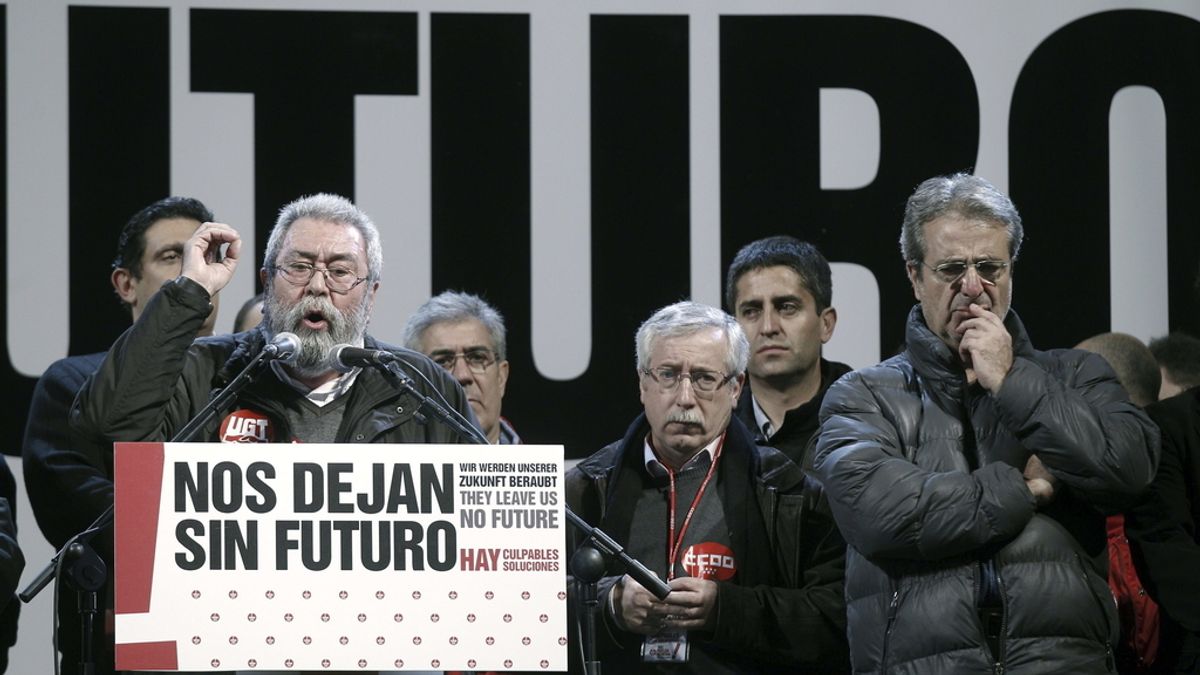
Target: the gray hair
(959, 194)
(452, 307)
(329, 208)
(687, 318)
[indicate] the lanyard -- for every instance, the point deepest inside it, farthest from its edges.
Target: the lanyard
(675, 543)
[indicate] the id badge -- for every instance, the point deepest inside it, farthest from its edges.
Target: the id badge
(669, 646)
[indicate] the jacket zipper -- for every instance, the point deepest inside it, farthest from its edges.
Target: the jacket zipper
(998, 669)
(1109, 659)
(893, 610)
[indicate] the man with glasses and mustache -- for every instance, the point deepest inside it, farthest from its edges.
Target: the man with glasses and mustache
(320, 274)
(971, 473)
(745, 542)
(466, 336)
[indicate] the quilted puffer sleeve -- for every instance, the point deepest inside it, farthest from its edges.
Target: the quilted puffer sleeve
(885, 504)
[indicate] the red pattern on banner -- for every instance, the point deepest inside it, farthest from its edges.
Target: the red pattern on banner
(147, 656)
(138, 469)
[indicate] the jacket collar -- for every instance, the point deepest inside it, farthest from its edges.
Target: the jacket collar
(803, 415)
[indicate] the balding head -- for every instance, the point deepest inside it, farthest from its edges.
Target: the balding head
(1133, 362)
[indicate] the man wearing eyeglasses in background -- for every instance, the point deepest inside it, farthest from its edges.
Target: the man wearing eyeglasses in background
(752, 557)
(321, 272)
(466, 336)
(970, 474)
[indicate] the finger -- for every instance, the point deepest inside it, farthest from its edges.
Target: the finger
(234, 251)
(981, 323)
(987, 315)
(686, 624)
(682, 599)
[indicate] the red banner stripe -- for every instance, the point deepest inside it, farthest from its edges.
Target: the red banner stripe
(147, 656)
(138, 468)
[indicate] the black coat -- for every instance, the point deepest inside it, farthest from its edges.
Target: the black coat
(793, 614)
(924, 477)
(157, 376)
(12, 563)
(800, 424)
(1163, 528)
(69, 480)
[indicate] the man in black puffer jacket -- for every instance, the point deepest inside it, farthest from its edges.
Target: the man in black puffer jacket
(970, 474)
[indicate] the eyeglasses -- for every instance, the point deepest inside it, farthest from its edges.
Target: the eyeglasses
(477, 360)
(338, 279)
(989, 271)
(704, 382)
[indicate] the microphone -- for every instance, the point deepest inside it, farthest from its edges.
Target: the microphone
(284, 347)
(345, 358)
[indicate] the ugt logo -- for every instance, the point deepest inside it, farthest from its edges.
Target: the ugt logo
(246, 426)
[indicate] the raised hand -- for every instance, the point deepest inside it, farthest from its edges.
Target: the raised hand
(986, 347)
(202, 258)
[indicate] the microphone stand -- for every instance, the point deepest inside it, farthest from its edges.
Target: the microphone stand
(640, 573)
(84, 570)
(587, 567)
(223, 397)
(391, 371)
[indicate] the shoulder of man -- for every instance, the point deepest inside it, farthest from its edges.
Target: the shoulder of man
(598, 464)
(1178, 414)
(895, 375)
(834, 370)
(1074, 367)
(74, 368)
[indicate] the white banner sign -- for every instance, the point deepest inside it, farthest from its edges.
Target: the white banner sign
(339, 557)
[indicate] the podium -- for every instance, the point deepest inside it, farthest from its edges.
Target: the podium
(339, 557)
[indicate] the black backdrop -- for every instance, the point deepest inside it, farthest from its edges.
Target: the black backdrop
(771, 71)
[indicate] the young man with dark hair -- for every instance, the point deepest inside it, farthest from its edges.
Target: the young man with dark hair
(780, 290)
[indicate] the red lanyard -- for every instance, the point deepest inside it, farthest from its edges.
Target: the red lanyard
(674, 544)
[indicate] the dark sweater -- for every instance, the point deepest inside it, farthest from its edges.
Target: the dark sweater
(799, 424)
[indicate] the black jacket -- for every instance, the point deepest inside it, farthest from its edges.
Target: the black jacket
(69, 482)
(12, 563)
(156, 378)
(1163, 529)
(924, 477)
(800, 424)
(794, 615)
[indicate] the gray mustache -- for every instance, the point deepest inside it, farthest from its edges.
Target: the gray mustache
(685, 417)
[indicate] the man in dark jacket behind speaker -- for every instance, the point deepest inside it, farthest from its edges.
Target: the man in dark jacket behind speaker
(741, 533)
(970, 474)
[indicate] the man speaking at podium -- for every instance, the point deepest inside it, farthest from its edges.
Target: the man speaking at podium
(320, 275)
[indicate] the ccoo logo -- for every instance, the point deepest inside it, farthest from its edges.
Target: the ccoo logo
(709, 560)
